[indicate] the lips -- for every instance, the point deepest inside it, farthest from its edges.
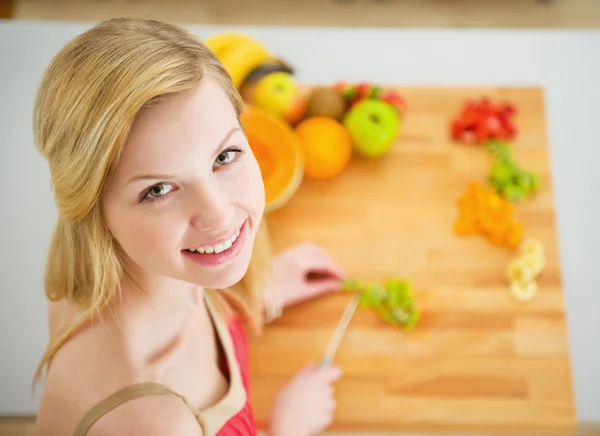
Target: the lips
(218, 247)
(218, 251)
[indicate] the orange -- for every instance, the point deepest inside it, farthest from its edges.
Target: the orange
(327, 146)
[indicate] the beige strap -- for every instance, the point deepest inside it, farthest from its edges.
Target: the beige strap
(126, 394)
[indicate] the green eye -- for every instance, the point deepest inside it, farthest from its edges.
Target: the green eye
(159, 190)
(228, 157)
(225, 157)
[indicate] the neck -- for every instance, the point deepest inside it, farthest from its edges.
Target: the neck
(159, 294)
(155, 313)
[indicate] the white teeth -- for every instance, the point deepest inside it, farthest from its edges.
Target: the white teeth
(219, 248)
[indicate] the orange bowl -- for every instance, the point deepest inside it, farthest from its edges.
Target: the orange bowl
(278, 152)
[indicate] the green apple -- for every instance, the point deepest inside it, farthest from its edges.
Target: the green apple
(373, 126)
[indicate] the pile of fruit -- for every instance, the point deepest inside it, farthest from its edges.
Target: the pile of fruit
(489, 211)
(507, 178)
(523, 270)
(484, 212)
(297, 132)
(482, 120)
(323, 127)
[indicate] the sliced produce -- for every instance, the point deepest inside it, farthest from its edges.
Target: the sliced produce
(523, 291)
(482, 120)
(523, 270)
(482, 211)
(509, 179)
(393, 300)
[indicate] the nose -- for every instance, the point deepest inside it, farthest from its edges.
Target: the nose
(211, 209)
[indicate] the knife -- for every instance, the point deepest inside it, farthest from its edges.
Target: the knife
(339, 331)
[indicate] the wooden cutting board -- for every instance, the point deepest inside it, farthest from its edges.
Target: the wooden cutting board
(478, 360)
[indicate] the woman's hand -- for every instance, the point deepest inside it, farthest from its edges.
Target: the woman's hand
(306, 404)
(304, 271)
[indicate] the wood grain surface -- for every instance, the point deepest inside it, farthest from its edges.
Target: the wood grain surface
(477, 361)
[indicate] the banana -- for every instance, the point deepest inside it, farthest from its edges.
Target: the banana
(522, 271)
(222, 43)
(536, 262)
(532, 246)
(519, 271)
(241, 60)
(523, 291)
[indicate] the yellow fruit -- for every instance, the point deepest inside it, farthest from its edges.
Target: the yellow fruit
(279, 93)
(522, 270)
(278, 152)
(327, 147)
(222, 43)
(532, 246)
(519, 270)
(535, 262)
(239, 62)
(523, 291)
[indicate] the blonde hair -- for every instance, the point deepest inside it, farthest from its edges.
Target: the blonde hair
(86, 104)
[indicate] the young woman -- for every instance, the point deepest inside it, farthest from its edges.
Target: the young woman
(159, 260)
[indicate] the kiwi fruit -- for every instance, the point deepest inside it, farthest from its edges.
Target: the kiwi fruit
(326, 101)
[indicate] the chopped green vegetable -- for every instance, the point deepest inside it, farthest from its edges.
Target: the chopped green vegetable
(507, 178)
(392, 301)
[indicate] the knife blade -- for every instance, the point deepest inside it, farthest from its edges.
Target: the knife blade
(340, 330)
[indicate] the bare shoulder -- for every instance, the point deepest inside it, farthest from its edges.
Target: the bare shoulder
(161, 415)
(73, 382)
(74, 387)
(89, 369)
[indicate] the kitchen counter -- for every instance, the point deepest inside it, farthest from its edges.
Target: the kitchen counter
(565, 64)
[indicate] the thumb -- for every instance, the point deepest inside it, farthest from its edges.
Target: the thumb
(330, 374)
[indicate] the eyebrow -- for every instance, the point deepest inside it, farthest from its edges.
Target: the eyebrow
(167, 176)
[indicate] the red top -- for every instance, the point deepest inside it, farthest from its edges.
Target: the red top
(243, 423)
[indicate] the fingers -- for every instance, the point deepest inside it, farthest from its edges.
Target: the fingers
(325, 421)
(327, 374)
(317, 259)
(321, 286)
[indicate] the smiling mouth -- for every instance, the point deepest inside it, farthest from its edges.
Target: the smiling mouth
(219, 247)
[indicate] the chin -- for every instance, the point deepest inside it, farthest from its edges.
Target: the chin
(221, 278)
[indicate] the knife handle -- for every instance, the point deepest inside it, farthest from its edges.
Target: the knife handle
(325, 361)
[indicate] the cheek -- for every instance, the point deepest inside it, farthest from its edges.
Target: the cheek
(251, 186)
(146, 236)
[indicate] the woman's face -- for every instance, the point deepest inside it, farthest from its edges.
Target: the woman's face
(187, 195)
